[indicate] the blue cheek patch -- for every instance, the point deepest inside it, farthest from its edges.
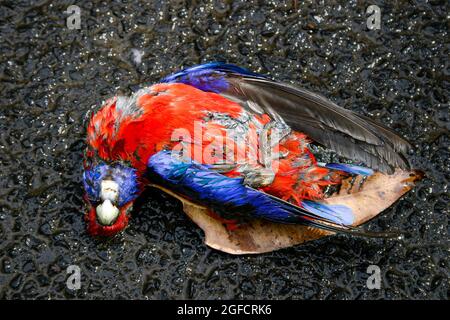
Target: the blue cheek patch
(92, 178)
(126, 178)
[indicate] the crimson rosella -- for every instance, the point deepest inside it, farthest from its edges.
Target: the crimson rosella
(234, 141)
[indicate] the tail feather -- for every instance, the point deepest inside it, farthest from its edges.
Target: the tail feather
(349, 168)
(333, 218)
(339, 214)
(355, 231)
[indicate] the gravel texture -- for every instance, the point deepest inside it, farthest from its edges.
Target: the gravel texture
(51, 77)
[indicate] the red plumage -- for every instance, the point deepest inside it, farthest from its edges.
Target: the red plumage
(246, 131)
(117, 134)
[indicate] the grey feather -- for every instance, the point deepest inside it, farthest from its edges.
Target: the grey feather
(343, 131)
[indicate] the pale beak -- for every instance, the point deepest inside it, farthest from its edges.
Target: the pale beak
(107, 212)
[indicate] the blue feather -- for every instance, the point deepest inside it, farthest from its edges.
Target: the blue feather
(230, 194)
(210, 77)
(339, 214)
(349, 168)
(92, 179)
(126, 178)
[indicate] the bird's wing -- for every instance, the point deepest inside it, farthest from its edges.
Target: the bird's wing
(224, 194)
(341, 130)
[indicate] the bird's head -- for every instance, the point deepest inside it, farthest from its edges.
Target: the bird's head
(110, 192)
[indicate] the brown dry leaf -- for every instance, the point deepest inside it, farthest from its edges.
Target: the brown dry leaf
(377, 193)
(367, 200)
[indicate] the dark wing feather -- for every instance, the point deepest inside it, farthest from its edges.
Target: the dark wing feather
(341, 130)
